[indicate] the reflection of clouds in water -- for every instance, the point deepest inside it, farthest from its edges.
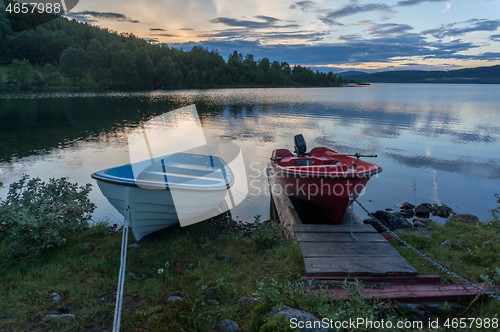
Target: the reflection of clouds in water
(458, 136)
(435, 195)
(489, 169)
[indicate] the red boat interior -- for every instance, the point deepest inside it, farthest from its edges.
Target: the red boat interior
(319, 162)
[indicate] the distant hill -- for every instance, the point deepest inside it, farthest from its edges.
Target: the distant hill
(351, 73)
(484, 75)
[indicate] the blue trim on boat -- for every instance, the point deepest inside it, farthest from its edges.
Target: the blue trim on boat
(192, 171)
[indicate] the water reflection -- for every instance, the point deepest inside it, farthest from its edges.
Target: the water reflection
(438, 136)
(489, 169)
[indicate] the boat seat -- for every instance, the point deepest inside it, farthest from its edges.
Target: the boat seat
(304, 162)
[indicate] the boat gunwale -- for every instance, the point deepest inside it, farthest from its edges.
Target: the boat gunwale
(312, 173)
(132, 182)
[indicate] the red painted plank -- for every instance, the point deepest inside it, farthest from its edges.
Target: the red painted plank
(421, 279)
(416, 293)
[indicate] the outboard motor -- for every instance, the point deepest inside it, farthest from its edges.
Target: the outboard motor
(300, 145)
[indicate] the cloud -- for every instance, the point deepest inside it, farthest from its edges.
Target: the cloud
(495, 37)
(454, 29)
(352, 9)
(303, 5)
(165, 35)
(247, 34)
(386, 28)
(416, 2)
(265, 22)
(354, 49)
(447, 7)
(93, 16)
(157, 29)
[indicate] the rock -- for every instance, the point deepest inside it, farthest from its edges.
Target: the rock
(59, 316)
(56, 297)
(465, 217)
(212, 302)
(222, 257)
(369, 221)
(407, 213)
(442, 211)
(228, 325)
(392, 220)
(446, 243)
(174, 298)
(424, 221)
(418, 223)
(422, 211)
(407, 206)
(417, 311)
(246, 299)
(305, 317)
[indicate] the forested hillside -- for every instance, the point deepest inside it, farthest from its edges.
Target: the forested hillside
(63, 53)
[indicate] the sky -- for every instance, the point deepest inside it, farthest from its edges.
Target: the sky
(326, 35)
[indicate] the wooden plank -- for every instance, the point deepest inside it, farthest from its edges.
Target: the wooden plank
(416, 293)
(420, 279)
(347, 249)
(339, 237)
(370, 265)
(314, 228)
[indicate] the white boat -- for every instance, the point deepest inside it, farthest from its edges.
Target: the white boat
(200, 184)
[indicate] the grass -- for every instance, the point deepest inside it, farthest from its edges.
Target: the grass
(80, 279)
(470, 249)
(84, 273)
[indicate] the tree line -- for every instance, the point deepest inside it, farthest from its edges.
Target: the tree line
(66, 53)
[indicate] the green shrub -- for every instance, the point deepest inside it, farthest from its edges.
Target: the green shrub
(267, 235)
(496, 212)
(37, 216)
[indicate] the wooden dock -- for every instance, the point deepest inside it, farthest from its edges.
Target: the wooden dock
(332, 254)
(331, 249)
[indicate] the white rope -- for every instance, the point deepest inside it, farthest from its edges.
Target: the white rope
(121, 275)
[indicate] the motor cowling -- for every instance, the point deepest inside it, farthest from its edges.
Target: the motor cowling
(300, 145)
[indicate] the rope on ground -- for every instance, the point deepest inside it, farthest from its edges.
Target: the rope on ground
(121, 274)
(354, 237)
(432, 262)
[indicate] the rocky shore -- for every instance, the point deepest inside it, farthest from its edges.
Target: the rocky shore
(415, 219)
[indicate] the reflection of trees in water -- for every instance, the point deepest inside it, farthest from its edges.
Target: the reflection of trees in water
(30, 126)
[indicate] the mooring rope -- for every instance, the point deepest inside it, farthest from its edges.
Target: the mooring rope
(121, 274)
(431, 261)
(351, 224)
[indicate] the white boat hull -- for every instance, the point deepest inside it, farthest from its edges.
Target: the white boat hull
(153, 209)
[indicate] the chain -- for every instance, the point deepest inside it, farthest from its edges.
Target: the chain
(432, 262)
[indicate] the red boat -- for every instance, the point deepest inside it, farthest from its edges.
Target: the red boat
(323, 177)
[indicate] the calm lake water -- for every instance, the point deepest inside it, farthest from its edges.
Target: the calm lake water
(436, 143)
